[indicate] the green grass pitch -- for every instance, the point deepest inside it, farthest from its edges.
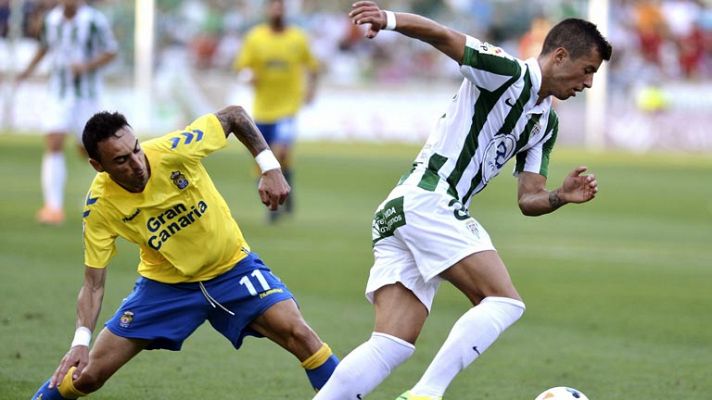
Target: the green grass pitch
(619, 291)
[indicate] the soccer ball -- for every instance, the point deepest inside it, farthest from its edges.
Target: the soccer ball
(561, 393)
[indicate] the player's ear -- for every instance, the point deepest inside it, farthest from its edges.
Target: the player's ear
(96, 165)
(560, 54)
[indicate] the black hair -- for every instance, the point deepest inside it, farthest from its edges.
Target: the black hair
(577, 36)
(100, 127)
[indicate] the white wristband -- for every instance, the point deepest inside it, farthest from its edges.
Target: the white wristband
(390, 20)
(82, 337)
(267, 161)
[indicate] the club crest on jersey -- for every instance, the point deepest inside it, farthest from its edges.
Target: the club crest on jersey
(179, 180)
(126, 319)
(498, 152)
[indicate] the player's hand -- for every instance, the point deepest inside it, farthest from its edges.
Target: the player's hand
(368, 13)
(77, 356)
(578, 188)
(21, 77)
(78, 69)
(273, 188)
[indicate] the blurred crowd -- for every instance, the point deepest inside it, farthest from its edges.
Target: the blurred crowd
(653, 39)
(658, 78)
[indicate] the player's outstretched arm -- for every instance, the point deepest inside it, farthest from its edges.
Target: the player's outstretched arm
(273, 188)
(88, 307)
(535, 200)
(39, 55)
(448, 41)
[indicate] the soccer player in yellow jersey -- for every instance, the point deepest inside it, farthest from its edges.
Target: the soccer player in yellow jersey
(284, 76)
(195, 265)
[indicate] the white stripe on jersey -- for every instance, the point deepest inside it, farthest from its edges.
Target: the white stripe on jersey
(492, 118)
(76, 40)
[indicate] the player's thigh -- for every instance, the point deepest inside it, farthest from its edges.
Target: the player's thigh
(109, 353)
(399, 312)
(283, 324)
(480, 275)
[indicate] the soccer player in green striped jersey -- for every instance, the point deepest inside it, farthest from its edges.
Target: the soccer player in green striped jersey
(423, 232)
(78, 41)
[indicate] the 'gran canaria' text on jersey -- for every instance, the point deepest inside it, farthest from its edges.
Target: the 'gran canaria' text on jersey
(173, 220)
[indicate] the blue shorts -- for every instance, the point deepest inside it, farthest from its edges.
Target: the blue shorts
(283, 131)
(166, 314)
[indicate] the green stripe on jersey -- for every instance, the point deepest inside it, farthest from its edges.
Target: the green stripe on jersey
(523, 140)
(510, 122)
(553, 126)
(483, 106)
(491, 63)
(430, 178)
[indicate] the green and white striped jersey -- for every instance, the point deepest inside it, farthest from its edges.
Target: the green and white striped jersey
(492, 118)
(72, 41)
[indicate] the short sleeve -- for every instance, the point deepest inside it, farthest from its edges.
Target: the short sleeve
(487, 66)
(105, 37)
(246, 56)
(536, 159)
(202, 137)
(99, 241)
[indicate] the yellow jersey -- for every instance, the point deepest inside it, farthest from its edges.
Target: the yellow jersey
(279, 62)
(180, 221)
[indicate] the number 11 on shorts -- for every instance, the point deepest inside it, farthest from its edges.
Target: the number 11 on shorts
(247, 282)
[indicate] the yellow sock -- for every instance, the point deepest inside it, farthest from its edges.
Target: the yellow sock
(318, 358)
(66, 387)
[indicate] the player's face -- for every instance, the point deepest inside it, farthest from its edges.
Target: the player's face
(123, 159)
(71, 5)
(275, 10)
(570, 76)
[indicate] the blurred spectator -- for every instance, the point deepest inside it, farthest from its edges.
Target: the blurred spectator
(4, 17)
(279, 57)
(79, 42)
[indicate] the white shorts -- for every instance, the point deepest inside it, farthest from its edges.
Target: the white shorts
(417, 234)
(69, 115)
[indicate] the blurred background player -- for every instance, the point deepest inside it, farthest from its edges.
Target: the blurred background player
(423, 232)
(79, 42)
(195, 264)
(284, 76)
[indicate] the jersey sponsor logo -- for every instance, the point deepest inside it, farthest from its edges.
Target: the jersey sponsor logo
(388, 219)
(132, 216)
(269, 292)
(172, 221)
(487, 48)
(126, 319)
(179, 180)
(497, 153)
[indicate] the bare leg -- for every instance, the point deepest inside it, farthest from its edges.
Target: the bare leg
(399, 319)
(484, 279)
(54, 173)
(110, 352)
(283, 324)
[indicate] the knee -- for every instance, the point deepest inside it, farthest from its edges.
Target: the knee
(300, 335)
(90, 381)
(55, 142)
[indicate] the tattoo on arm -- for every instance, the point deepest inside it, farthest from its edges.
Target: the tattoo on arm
(235, 120)
(554, 200)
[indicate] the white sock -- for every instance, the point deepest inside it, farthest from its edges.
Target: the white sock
(54, 173)
(471, 335)
(365, 367)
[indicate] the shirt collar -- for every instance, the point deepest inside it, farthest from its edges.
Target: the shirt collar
(535, 75)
